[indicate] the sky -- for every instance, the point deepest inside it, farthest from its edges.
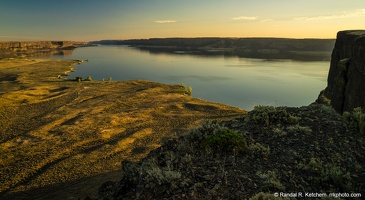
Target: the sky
(90, 20)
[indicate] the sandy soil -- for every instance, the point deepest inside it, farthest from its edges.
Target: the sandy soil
(61, 139)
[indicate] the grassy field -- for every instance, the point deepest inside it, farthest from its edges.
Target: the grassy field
(61, 138)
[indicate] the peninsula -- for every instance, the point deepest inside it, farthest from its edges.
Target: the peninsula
(63, 138)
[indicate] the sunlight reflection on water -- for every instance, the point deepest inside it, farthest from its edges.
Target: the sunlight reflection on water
(240, 82)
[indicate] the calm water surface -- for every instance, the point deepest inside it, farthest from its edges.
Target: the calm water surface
(240, 82)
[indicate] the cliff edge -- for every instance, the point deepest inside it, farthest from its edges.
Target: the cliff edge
(346, 76)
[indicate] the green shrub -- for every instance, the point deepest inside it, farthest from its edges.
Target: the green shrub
(267, 115)
(338, 177)
(299, 129)
(321, 173)
(327, 109)
(207, 128)
(259, 150)
(271, 180)
(279, 132)
(154, 179)
(314, 166)
(162, 180)
(355, 120)
(226, 140)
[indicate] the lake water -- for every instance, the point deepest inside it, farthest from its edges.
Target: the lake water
(240, 82)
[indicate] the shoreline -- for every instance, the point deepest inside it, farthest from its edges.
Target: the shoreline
(72, 68)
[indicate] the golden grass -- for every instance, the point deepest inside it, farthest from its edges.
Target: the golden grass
(55, 131)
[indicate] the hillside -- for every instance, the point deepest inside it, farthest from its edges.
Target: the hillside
(265, 48)
(283, 151)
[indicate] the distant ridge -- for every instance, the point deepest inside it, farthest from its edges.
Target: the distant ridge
(265, 48)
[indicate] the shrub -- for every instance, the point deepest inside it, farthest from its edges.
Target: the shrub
(259, 149)
(269, 115)
(355, 120)
(162, 180)
(190, 90)
(279, 132)
(78, 78)
(151, 178)
(323, 99)
(88, 78)
(314, 166)
(206, 129)
(226, 140)
(299, 129)
(270, 179)
(321, 173)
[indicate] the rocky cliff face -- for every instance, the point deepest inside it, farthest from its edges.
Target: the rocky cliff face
(10, 49)
(35, 45)
(346, 77)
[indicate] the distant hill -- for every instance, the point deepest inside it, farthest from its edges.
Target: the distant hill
(266, 48)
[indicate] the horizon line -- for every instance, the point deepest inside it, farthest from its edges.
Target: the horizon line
(207, 37)
(175, 37)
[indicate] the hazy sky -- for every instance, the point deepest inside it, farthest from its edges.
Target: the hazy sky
(86, 20)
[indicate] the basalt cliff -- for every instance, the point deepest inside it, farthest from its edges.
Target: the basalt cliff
(346, 76)
(19, 49)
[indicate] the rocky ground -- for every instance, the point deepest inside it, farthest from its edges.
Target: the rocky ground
(310, 149)
(61, 139)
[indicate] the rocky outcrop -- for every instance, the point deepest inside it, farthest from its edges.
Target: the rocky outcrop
(346, 78)
(36, 45)
(11, 49)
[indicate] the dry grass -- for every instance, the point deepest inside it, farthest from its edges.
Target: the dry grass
(55, 132)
